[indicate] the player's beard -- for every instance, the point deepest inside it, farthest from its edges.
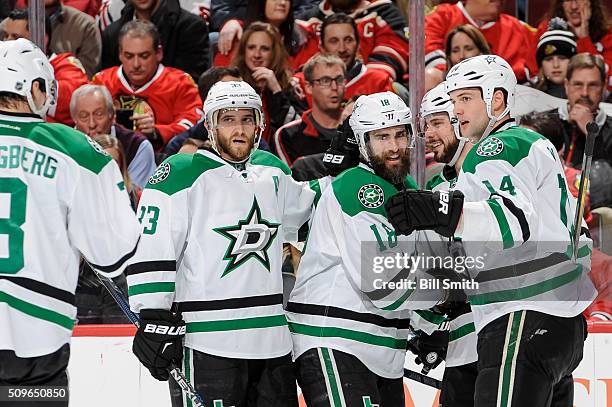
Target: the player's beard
(237, 153)
(448, 153)
(395, 174)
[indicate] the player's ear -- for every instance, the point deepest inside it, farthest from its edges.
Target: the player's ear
(499, 101)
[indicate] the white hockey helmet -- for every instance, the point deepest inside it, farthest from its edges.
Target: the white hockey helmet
(438, 101)
(232, 95)
(22, 63)
(378, 111)
(487, 72)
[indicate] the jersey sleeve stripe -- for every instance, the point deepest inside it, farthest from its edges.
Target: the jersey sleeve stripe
(336, 312)
(504, 227)
(461, 331)
(518, 214)
(525, 268)
(150, 288)
(115, 266)
(149, 266)
(230, 303)
(42, 288)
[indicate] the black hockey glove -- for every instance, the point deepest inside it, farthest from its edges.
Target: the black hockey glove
(430, 349)
(412, 210)
(343, 152)
(158, 343)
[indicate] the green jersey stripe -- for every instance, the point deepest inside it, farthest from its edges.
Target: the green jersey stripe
(333, 332)
(504, 227)
(522, 293)
(149, 288)
(461, 331)
(331, 376)
(236, 324)
(511, 349)
(36, 311)
(396, 304)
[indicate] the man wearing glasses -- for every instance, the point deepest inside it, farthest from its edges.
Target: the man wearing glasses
(312, 133)
(584, 86)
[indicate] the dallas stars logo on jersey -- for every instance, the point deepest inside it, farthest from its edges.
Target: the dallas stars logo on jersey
(371, 196)
(250, 238)
(490, 147)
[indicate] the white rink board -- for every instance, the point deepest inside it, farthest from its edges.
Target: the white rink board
(104, 373)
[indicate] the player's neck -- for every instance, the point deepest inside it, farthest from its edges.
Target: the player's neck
(466, 149)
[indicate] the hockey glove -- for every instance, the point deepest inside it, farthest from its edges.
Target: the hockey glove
(343, 152)
(158, 343)
(455, 301)
(412, 210)
(430, 349)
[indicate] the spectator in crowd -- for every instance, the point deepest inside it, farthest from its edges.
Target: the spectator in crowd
(312, 133)
(115, 149)
(507, 36)
(93, 112)
(165, 100)
(588, 21)
(555, 48)
(192, 145)
(183, 35)
(6, 7)
(463, 42)
(279, 14)
(75, 32)
(339, 36)
(585, 87)
(383, 32)
(89, 7)
(262, 62)
(68, 71)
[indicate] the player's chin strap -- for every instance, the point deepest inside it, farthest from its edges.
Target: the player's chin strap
(462, 142)
(493, 120)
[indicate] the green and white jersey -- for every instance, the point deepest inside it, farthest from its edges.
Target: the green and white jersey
(462, 338)
(336, 302)
(211, 244)
(518, 214)
(61, 197)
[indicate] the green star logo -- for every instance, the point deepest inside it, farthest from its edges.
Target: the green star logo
(490, 147)
(250, 238)
(371, 196)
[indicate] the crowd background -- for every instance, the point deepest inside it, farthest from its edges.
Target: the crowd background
(133, 75)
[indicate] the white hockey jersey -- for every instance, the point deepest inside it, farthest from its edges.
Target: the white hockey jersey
(211, 244)
(60, 196)
(519, 215)
(462, 338)
(337, 301)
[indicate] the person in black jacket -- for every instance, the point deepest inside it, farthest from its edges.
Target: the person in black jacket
(184, 36)
(584, 85)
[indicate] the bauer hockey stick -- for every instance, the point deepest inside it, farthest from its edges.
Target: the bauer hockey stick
(592, 130)
(176, 374)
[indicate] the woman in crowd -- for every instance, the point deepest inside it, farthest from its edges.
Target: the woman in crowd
(263, 64)
(589, 23)
(113, 147)
(463, 42)
(555, 48)
(279, 13)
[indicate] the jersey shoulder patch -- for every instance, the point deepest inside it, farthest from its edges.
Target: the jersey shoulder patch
(260, 157)
(511, 145)
(359, 190)
(180, 171)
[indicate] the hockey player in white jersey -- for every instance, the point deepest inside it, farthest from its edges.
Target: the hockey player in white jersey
(530, 296)
(347, 351)
(439, 127)
(61, 196)
(209, 261)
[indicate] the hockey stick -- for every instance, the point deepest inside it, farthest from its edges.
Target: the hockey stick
(176, 374)
(421, 378)
(592, 130)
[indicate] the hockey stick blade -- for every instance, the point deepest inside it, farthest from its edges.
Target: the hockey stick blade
(421, 378)
(176, 374)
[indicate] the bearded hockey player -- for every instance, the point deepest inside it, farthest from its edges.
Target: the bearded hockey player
(347, 351)
(440, 129)
(510, 205)
(61, 197)
(209, 261)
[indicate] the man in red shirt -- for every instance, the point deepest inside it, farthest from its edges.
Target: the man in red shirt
(164, 101)
(383, 32)
(69, 73)
(507, 36)
(339, 36)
